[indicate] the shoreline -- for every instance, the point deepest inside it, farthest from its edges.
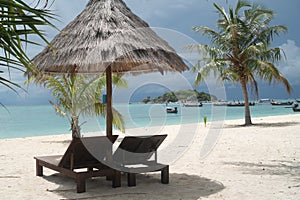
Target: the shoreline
(44, 121)
(256, 162)
(237, 122)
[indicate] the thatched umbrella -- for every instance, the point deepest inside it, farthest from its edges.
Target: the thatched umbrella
(108, 37)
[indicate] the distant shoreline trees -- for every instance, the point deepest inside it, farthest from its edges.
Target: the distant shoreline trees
(181, 95)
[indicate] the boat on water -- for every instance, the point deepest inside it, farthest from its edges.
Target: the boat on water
(192, 104)
(298, 100)
(277, 103)
(172, 110)
(296, 108)
(238, 104)
(220, 103)
(264, 101)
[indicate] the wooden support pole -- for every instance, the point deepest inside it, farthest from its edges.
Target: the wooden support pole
(109, 115)
(39, 169)
(165, 175)
(80, 185)
(131, 179)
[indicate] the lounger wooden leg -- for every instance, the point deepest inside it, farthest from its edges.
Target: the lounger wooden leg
(131, 179)
(39, 169)
(116, 182)
(80, 185)
(165, 175)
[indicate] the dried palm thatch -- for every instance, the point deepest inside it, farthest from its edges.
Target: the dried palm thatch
(106, 34)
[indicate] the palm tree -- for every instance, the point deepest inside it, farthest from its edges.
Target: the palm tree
(18, 21)
(79, 95)
(240, 50)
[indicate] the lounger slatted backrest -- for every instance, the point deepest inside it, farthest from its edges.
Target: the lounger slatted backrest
(138, 150)
(86, 151)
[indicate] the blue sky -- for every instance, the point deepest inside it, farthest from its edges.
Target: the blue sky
(173, 20)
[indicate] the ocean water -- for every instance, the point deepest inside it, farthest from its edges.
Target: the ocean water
(26, 121)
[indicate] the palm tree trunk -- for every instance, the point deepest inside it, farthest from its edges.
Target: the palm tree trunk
(248, 121)
(75, 127)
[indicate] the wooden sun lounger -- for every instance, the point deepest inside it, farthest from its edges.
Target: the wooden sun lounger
(136, 151)
(83, 153)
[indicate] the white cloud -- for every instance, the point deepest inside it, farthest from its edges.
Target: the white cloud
(291, 67)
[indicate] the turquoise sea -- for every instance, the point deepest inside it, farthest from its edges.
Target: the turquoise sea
(26, 121)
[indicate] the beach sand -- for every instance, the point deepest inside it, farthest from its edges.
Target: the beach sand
(257, 162)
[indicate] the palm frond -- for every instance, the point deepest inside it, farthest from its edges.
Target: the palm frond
(268, 72)
(207, 31)
(118, 120)
(17, 22)
(119, 81)
(267, 34)
(3, 106)
(253, 84)
(240, 5)
(57, 109)
(222, 12)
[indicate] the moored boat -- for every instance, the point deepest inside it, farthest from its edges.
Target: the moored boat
(264, 101)
(220, 103)
(172, 110)
(192, 104)
(276, 103)
(240, 104)
(296, 108)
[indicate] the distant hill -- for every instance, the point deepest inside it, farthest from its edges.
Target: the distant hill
(181, 96)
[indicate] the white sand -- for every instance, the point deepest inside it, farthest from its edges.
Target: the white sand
(258, 162)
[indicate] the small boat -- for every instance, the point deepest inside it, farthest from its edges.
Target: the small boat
(239, 104)
(298, 100)
(192, 104)
(172, 110)
(220, 104)
(296, 108)
(276, 103)
(264, 101)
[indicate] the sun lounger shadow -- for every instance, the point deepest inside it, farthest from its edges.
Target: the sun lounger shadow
(182, 186)
(138, 155)
(82, 160)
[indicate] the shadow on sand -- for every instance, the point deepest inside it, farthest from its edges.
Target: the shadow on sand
(290, 169)
(265, 125)
(181, 186)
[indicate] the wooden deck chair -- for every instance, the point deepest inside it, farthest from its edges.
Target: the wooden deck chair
(139, 155)
(85, 154)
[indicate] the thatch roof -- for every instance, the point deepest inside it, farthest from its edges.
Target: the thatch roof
(108, 33)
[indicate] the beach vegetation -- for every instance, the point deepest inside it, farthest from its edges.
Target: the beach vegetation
(183, 96)
(205, 120)
(79, 95)
(20, 27)
(241, 49)
(147, 100)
